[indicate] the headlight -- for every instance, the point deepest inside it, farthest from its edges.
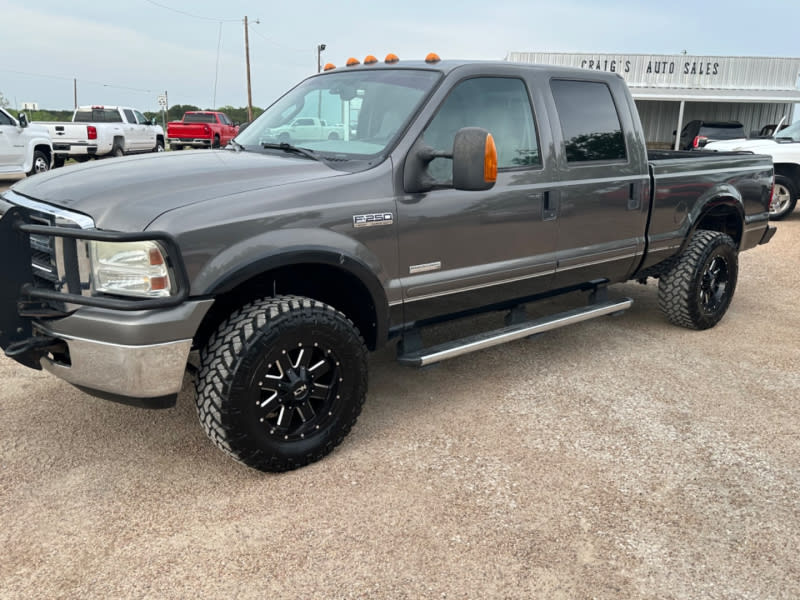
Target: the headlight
(130, 269)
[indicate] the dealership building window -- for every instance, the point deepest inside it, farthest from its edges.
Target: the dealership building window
(673, 90)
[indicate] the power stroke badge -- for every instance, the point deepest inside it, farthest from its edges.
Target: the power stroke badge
(373, 219)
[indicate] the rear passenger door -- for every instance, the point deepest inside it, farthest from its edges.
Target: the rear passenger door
(603, 182)
(459, 250)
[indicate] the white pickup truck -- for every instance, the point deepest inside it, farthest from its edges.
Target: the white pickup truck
(97, 131)
(305, 129)
(24, 149)
(784, 148)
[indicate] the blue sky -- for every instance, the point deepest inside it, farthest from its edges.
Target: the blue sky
(127, 52)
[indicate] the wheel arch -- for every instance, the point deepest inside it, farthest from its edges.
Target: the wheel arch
(333, 277)
(45, 149)
(790, 170)
(722, 213)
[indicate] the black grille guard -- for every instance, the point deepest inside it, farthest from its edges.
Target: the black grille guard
(17, 290)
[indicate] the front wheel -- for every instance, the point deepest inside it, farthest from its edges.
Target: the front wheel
(281, 382)
(159, 146)
(40, 163)
(698, 289)
(784, 198)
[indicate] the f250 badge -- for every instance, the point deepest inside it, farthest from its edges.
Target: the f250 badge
(373, 219)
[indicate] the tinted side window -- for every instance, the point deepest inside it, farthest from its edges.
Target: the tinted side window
(129, 116)
(4, 120)
(499, 105)
(111, 115)
(589, 121)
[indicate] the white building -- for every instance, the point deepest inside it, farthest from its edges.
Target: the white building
(671, 90)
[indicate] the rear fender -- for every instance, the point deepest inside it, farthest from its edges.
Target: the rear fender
(721, 209)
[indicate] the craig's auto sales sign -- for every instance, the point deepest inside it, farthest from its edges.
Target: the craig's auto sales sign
(681, 71)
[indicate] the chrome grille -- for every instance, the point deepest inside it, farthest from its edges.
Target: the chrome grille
(43, 256)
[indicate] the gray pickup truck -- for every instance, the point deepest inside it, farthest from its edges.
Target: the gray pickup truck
(269, 270)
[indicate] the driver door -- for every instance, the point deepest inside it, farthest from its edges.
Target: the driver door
(460, 250)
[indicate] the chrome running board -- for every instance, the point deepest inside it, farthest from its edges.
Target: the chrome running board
(473, 343)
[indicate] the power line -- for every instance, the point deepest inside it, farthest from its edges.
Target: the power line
(82, 80)
(188, 14)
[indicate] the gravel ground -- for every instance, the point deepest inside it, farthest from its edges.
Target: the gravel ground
(618, 458)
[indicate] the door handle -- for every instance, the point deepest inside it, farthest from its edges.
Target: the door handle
(550, 205)
(634, 196)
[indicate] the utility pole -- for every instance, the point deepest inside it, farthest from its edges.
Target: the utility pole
(75, 91)
(247, 60)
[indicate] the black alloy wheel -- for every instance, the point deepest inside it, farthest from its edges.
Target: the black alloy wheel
(281, 382)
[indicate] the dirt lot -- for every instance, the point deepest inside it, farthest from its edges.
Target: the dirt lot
(619, 458)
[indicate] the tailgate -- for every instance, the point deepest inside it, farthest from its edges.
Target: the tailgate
(188, 130)
(69, 133)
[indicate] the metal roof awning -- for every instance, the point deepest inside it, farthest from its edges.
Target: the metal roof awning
(711, 95)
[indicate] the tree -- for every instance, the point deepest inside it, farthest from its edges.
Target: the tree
(176, 112)
(3, 102)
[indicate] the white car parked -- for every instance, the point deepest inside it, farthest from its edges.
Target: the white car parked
(784, 148)
(24, 148)
(97, 131)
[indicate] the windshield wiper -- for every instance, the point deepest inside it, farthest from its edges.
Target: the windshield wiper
(293, 149)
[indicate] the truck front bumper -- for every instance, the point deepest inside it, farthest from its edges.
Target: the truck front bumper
(136, 358)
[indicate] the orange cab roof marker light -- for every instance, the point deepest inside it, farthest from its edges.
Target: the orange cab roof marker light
(391, 59)
(352, 62)
(329, 67)
(432, 58)
(370, 60)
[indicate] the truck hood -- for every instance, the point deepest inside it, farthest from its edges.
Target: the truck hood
(127, 194)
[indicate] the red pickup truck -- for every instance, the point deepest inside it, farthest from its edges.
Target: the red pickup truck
(201, 129)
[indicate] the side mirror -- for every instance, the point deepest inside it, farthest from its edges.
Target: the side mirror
(474, 158)
(23, 120)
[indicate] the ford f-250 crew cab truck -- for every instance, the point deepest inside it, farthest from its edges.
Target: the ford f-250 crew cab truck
(271, 269)
(784, 148)
(201, 129)
(97, 131)
(25, 149)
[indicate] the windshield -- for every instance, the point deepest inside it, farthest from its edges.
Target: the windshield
(343, 115)
(792, 132)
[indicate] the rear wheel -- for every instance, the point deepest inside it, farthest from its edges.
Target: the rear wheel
(698, 289)
(58, 162)
(176, 146)
(117, 150)
(281, 382)
(215, 142)
(40, 163)
(784, 198)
